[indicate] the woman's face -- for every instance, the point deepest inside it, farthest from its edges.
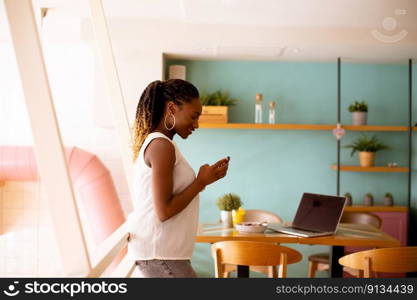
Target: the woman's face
(186, 117)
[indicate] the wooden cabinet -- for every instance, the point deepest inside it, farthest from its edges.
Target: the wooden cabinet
(394, 219)
(395, 224)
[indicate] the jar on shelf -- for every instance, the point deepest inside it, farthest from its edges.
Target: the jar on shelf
(258, 108)
(271, 116)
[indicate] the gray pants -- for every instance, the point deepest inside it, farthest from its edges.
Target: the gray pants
(157, 268)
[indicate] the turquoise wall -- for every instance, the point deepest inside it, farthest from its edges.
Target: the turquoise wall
(271, 169)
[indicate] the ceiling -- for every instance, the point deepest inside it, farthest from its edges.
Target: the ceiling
(368, 30)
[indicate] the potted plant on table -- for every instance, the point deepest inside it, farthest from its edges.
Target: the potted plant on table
(215, 107)
(366, 148)
(359, 112)
(226, 204)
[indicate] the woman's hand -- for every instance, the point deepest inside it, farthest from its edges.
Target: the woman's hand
(209, 174)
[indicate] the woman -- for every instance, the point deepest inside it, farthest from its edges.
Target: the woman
(164, 222)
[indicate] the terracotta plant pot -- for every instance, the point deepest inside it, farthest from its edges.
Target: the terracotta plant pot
(366, 159)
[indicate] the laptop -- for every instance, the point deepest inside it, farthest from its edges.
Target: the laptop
(317, 215)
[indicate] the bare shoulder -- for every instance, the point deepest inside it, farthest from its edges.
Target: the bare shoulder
(159, 151)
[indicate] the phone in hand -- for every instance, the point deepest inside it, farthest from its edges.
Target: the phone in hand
(226, 162)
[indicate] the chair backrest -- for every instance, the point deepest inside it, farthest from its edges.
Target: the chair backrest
(257, 215)
(361, 218)
(253, 254)
(395, 260)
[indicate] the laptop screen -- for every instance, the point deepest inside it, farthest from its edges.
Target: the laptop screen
(320, 213)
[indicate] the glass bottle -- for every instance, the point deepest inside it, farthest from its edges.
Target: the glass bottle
(271, 112)
(258, 109)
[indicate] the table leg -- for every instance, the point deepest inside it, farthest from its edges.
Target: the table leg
(242, 271)
(336, 270)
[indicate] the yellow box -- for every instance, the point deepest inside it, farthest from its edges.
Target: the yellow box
(214, 114)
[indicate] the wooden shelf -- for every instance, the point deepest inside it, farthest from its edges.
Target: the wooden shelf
(371, 169)
(377, 208)
(267, 126)
(301, 127)
(375, 128)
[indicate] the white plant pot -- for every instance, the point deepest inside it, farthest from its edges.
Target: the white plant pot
(226, 218)
(359, 118)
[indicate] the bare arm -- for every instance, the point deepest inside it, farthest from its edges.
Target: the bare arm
(161, 156)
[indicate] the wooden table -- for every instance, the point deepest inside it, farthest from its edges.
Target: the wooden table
(347, 235)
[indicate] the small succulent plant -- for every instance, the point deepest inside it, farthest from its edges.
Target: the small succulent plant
(388, 199)
(348, 197)
(217, 98)
(229, 202)
(358, 106)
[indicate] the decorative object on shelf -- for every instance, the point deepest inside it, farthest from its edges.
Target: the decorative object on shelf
(226, 204)
(368, 200)
(271, 115)
(371, 169)
(338, 132)
(177, 72)
(366, 148)
(258, 108)
(348, 197)
(392, 164)
(388, 199)
(238, 215)
(359, 112)
(215, 107)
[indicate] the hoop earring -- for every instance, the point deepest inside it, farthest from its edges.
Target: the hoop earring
(165, 122)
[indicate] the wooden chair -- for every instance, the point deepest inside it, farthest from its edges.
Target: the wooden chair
(253, 254)
(257, 215)
(320, 261)
(392, 260)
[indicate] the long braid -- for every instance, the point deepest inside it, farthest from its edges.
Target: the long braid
(151, 107)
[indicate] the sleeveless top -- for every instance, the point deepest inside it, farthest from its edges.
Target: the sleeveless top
(149, 237)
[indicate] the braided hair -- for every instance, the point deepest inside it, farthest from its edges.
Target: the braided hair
(151, 106)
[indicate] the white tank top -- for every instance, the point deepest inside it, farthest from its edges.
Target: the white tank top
(149, 237)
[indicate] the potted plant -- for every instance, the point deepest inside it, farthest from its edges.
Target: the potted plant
(215, 107)
(226, 204)
(359, 112)
(348, 197)
(366, 148)
(368, 200)
(388, 199)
